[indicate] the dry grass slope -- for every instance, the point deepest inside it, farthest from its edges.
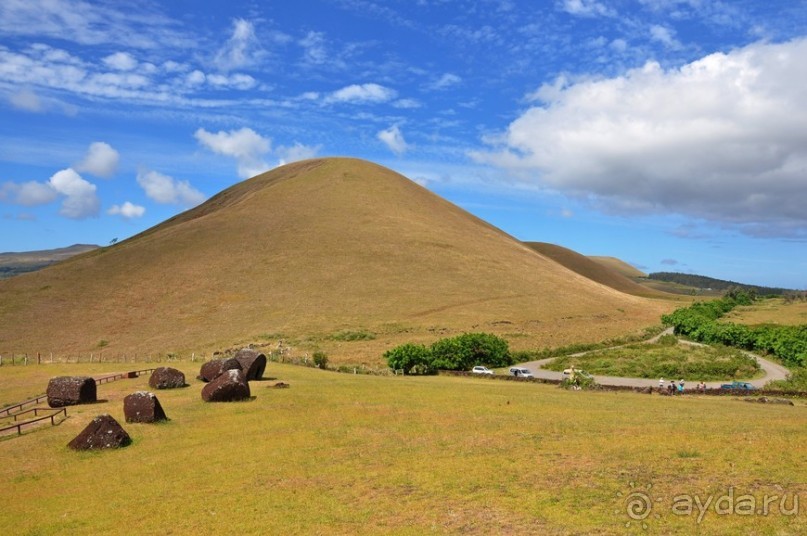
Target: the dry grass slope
(311, 247)
(619, 265)
(601, 272)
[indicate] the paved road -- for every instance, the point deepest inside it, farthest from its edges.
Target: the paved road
(772, 371)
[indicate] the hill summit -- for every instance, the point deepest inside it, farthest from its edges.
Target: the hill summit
(304, 250)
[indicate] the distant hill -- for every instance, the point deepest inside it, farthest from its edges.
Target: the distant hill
(608, 271)
(14, 263)
(619, 266)
(709, 283)
(306, 250)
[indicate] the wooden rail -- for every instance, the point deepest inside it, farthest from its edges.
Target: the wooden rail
(52, 413)
(8, 409)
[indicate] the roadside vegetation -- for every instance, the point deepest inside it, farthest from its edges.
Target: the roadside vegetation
(699, 322)
(665, 359)
(454, 353)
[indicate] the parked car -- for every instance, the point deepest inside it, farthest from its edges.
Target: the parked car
(521, 372)
(744, 386)
(481, 370)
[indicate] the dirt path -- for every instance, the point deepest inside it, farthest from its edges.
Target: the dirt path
(772, 371)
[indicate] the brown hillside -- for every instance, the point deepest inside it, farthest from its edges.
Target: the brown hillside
(619, 266)
(601, 273)
(305, 250)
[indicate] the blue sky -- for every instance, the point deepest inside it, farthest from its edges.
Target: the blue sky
(669, 133)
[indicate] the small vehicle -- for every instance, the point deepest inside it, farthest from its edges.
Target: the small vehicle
(521, 372)
(479, 369)
(739, 386)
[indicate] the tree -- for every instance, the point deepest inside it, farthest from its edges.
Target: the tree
(410, 358)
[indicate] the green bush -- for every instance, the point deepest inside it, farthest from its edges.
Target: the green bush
(320, 360)
(411, 358)
(470, 349)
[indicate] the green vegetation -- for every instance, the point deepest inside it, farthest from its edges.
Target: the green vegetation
(703, 282)
(455, 353)
(347, 335)
(662, 359)
(699, 322)
(534, 355)
(796, 381)
(320, 360)
(361, 455)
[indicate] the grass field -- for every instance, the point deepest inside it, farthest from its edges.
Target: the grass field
(769, 311)
(693, 363)
(344, 454)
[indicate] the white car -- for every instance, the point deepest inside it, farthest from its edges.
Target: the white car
(481, 370)
(521, 372)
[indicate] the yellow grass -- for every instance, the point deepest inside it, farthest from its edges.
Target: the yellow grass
(769, 311)
(308, 250)
(344, 454)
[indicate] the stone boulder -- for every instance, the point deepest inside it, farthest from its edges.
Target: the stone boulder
(766, 400)
(252, 363)
(103, 432)
(70, 391)
(166, 378)
(215, 367)
(228, 387)
(143, 406)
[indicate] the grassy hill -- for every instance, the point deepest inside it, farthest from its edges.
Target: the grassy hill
(12, 263)
(618, 265)
(606, 273)
(303, 252)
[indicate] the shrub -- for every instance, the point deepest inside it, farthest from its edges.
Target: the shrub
(471, 349)
(411, 358)
(320, 360)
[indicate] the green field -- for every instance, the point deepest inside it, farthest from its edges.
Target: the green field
(694, 363)
(345, 454)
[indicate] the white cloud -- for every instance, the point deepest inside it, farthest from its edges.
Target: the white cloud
(314, 50)
(90, 23)
(127, 210)
(245, 145)
(28, 194)
(363, 93)
(167, 190)
(120, 61)
(27, 100)
(393, 138)
(406, 104)
(586, 8)
(241, 50)
(721, 139)
(446, 81)
(101, 160)
(665, 36)
(296, 152)
(80, 199)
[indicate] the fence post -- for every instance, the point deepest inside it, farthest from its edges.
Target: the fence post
(38, 358)
(25, 361)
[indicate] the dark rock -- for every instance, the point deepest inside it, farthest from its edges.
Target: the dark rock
(253, 363)
(166, 378)
(143, 406)
(103, 432)
(70, 391)
(228, 387)
(215, 367)
(766, 400)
